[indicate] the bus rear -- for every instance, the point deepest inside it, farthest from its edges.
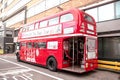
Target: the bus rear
(80, 50)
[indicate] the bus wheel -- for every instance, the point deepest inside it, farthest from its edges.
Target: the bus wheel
(52, 64)
(18, 57)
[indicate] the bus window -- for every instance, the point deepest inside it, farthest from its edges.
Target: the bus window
(36, 25)
(66, 18)
(29, 45)
(88, 18)
(24, 29)
(54, 21)
(31, 27)
(35, 45)
(42, 45)
(23, 44)
(91, 45)
(43, 23)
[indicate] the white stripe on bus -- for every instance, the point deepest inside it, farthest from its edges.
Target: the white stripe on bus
(57, 37)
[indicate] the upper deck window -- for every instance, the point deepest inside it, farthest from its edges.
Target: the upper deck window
(36, 25)
(54, 21)
(66, 17)
(24, 29)
(43, 23)
(88, 18)
(31, 27)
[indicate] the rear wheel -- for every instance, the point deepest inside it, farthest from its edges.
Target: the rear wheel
(52, 64)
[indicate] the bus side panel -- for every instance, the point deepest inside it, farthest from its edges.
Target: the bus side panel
(56, 53)
(41, 59)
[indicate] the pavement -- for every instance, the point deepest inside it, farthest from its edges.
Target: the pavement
(10, 69)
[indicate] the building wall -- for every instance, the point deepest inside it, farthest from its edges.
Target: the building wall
(66, 5)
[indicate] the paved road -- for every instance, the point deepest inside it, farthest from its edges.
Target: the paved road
(10, 69)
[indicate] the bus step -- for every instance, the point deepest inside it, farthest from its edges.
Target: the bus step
(75, 68)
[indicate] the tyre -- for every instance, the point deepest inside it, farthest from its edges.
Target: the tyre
(52, 64)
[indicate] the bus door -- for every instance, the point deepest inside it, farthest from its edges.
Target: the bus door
(67, 58)
(74, 50)
(74, 54)
(91, 53)
(78, 51)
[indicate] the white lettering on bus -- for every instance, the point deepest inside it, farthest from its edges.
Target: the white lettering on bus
(57, 29)
(30, 56)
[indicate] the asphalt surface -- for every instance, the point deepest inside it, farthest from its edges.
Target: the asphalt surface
(10, 69)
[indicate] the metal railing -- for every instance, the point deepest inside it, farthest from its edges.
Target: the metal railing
(113, 65)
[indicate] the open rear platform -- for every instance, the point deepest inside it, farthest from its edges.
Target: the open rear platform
(76, 68)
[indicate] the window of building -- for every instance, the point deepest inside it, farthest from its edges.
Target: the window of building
(106, 12)
(1, 33)
(43, 23)
(17, 18)
(16, 33)
(42, 45)
(17, 6)
(117, 8)
(5, 5)
(31, 12)
(9, 33)
(94, 13)
(1, 1)
(40, 7)
(9, 2)
(51, 3)
(43, 5)
(54, 21)
(66, 18)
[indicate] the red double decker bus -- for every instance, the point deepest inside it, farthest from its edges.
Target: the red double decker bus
(66, 41)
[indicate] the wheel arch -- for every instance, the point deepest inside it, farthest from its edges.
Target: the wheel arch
(54, 58)
(48, 66)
